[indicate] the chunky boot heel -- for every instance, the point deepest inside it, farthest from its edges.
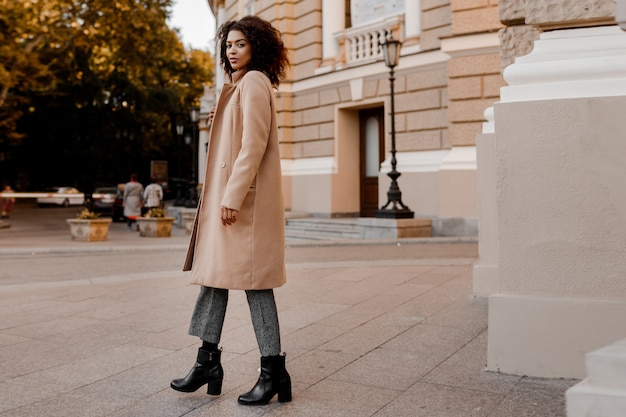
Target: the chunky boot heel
(214, 387)
(207, 370)
(284, 391)
(273, 380)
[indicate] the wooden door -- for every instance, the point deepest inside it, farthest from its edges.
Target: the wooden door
(372, 151)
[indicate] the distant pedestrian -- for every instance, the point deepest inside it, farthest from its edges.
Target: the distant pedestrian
(238, 239)
(7, 202)
(152, 196)
(133, 196)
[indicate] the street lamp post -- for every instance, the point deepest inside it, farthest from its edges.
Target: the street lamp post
(394, 208)
(180, 128)
(194, 115)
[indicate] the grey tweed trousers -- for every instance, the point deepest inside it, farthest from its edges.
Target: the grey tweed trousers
(208, 316)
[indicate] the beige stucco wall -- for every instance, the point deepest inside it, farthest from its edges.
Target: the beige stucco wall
(552, 212)
(562, 229)
(563, 159)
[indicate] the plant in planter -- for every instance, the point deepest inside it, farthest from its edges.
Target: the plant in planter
(155, 223)
(87, 214)
(88, 227)
(156, 213)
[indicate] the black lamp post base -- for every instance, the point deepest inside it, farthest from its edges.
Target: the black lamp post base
(394, 208)
(192, 200)
(394, 214)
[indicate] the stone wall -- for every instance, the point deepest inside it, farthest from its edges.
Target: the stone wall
(474, 16)
(436, 23)
(474, 78)
(549, 14)
(474, 85)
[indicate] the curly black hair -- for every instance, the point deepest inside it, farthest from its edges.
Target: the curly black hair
(269, 54)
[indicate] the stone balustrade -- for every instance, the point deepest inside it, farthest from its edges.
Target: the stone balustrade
(361, 45)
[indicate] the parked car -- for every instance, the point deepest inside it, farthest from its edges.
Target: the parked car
(109, 202)
(103, 199)
(62, 200)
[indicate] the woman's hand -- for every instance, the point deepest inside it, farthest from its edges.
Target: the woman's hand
(229, 216)
(209, 120)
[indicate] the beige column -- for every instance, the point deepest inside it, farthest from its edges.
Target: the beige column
(561, 211)
(485, 274)
(220, 19)
(412, 22)
(333, 21)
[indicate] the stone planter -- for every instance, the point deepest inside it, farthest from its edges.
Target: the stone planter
(188, 216)
(89, 230)
(155, 226)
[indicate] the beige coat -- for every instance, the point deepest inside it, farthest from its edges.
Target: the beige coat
(243, 173)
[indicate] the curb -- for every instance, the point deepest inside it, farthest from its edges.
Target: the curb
(45, 250)
(99, 249)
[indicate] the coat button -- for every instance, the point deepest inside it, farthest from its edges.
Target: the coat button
(222, 164)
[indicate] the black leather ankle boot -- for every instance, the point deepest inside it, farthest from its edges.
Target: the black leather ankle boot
(207, 370)
(273, 380)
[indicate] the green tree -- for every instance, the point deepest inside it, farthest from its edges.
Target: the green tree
(25, 27)
(111, 79)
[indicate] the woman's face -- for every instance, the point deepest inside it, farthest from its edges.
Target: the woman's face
(238, 50)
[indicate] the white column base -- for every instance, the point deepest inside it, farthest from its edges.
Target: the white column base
(603, 392)
(485, 274)
(485, 280)
(549, 337)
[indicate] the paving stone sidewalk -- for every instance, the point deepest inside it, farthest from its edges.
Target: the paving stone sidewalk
(370, 329)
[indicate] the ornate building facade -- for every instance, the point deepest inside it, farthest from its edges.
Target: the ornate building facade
(335, 105)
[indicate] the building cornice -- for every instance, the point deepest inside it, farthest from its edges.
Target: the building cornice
(475, 44)
(425, 59)
(569, 63)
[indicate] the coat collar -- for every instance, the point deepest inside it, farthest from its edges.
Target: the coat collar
(237, 76)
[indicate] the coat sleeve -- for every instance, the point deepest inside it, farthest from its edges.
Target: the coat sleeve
(256, 108)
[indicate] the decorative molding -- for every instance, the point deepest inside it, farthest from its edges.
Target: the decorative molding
(309, 166)
(460, 158)
(356, 89)
(370, 70)
(572, 63)
(484, 43)
(424, 161)
(489, 125)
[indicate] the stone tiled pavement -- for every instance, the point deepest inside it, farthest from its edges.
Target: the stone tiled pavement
(370, 329)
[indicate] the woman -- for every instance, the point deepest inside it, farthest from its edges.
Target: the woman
(238, 237)
(133, 194)
(7, 202)
(152, 196)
